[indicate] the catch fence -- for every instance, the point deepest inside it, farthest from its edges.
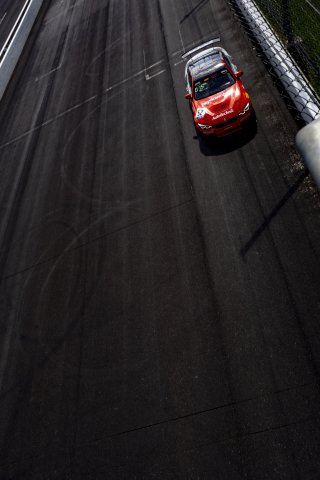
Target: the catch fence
(297, 23)
(287, 30)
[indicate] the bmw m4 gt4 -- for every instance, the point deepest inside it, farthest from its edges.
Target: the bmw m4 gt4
(219, 101)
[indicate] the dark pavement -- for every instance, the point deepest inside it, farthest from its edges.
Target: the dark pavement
(159, 295)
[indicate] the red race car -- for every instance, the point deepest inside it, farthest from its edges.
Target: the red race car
(219, 102)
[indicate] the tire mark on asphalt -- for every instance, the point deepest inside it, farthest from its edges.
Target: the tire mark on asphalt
(18, 193)
(104, 235)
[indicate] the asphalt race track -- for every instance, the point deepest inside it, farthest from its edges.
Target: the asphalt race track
(159, 308)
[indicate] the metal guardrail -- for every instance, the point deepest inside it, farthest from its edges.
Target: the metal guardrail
(15, 42)
(308, 144)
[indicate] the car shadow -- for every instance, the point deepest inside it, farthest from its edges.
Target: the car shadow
(213, 147)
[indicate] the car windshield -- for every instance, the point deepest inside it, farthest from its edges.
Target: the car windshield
(213, 83)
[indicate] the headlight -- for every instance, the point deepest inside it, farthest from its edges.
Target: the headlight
(204, 126)
(245, 110)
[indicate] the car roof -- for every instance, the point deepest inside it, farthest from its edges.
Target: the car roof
(205, 62)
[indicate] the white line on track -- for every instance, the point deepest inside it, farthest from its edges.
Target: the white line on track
(3, 17)
(88, 100)
(48, 73)
(144, 63)
(146, 75)
(155, 64)
(135, 75)
(181, 40)
(178, 63)
(149, 77)
(47, 122)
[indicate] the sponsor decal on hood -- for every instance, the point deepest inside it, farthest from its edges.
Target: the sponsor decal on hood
(222, 114)
(213, 100)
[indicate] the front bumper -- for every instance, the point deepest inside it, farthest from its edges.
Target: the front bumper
(228, 126)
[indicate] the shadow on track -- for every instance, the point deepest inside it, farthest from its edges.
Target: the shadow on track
(213, 147)
(254, 237)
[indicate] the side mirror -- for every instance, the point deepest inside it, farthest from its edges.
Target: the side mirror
(188, 96)
(239, 74)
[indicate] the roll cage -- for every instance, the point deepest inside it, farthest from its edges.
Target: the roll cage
(205, 62)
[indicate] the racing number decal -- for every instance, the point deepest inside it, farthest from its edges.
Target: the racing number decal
(201, 112)
(200, 88)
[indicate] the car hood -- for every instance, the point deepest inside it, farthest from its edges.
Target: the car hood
(222, 104)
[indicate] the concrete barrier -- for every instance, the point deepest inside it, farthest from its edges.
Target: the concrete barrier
(14, 44)
(308, 144)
